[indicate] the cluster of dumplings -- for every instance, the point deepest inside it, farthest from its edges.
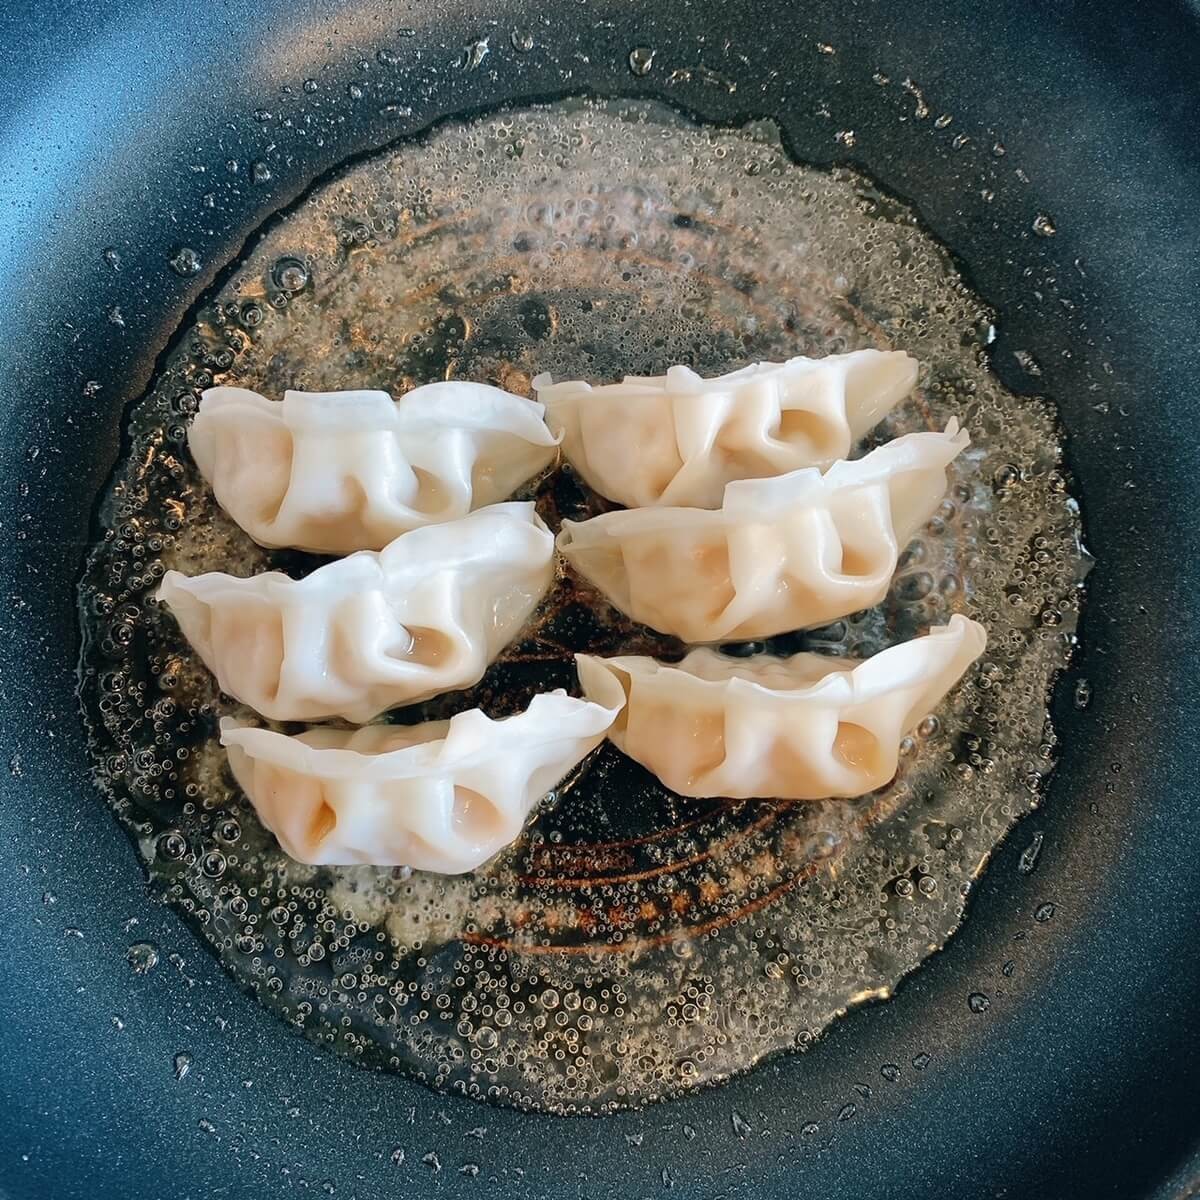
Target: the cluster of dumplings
(744, 520)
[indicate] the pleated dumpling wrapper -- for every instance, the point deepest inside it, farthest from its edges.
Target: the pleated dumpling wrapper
(443, 796)
(792, 552)
(679, 439)
(335, 472)
(372, 631)
(800, 728)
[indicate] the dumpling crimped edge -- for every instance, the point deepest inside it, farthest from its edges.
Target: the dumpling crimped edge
(841, 686)
(465, 740)
(805, 487)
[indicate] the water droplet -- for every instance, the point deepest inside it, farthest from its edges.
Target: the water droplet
(1028, 362)
(142, 957)
(73, 931)
(15, 769)
(522, 42)
(185, 262)
(49, 899)
(845, 136)
(977, 1002)
(927, 885)
(229, 830)
(942, 121)
(864, 1090)
(912, 588)
(847, 1111)
(262, 115)
(1008, 968)
(1004, 478)
(432, 1161)
(810, 1129)
(91, 387)
(112, 258)
(470, 1170)
(213, 864)
(641, 60)
(396, 111)
(397, 1156)
(252, 315)
(1043, 226)
(354, 91)
(825, 48)
(689, 1132)
(740, 1125)
(486, 1037)
(310, 86)
(1043, 912)
(904, 887)
(475, 53)
(206, 1126)
(921, 1061)
(118, 1022)
(183, 1064)
(116, 317)
(914, 90)
(890, 1072)
(289, 274)
(1029, 856)
(1083, 694)
(172, 845)
(260, 173)
(635, 1139)
(998, 149)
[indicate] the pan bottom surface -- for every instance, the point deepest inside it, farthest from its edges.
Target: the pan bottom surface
(633, 944)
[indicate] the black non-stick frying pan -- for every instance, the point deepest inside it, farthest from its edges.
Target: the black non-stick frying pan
(1080, 1078)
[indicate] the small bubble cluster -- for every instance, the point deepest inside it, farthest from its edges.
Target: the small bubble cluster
(631, 944)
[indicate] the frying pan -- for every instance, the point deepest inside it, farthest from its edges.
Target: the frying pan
(1080, 1079)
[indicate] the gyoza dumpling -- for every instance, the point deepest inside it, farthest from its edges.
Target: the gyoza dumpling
(679, 439)
(442, 796)
(796, 551)
(374, 630)
(799, 728)
(334, 472)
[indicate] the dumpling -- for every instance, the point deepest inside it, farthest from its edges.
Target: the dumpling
(798, 728)
(679, 439)
(787, 553)
(443, 796)
(374, 630)
(334, 472)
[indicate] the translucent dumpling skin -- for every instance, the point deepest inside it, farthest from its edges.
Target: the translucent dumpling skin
(792, 552)
(443, 796)
(678, 439)
(335, 472)
(800, 728)
(372, 631)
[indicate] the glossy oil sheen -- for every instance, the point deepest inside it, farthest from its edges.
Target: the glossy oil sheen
(633, 945)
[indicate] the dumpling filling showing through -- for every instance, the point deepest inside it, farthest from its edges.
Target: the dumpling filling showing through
(335, 472)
